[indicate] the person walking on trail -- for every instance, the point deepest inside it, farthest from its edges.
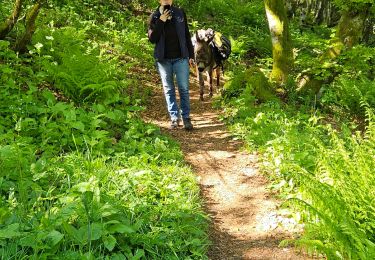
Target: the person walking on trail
(168, 30)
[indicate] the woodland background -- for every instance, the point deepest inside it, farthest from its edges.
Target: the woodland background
(83, 177)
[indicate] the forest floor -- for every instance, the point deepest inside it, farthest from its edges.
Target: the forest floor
(246, 222)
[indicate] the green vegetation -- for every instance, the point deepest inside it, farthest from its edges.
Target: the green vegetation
(82, 177)
(317, 144)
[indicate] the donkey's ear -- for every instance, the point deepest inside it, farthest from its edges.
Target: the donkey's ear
(197, 36)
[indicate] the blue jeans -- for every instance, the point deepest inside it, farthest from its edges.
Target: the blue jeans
(167, 69)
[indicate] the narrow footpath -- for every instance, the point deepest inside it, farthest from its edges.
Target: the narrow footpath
(245, 220)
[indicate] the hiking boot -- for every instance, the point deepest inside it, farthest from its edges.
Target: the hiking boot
(187, 124)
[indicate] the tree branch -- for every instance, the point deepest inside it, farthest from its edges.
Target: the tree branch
(8, 25)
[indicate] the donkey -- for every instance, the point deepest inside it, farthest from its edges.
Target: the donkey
(205, 59)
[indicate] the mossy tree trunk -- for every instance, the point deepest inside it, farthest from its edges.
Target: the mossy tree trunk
(21, 45)
(281, 46)
(332, 15)
(349, 33)
(350, 28)
(8, 25)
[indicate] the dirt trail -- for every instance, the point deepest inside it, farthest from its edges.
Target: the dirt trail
(245, 223)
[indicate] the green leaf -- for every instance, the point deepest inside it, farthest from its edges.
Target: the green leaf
(120, 228)
(4, 44)
(59, 107)
(118, 256)
(82, 235)
(10, 231)
(107, 210)
(139, 254)
(109, 242)
(70, 115)
(87, 197)
(96, 230)
(99, 108)
(83, 187)
(7, 70)
(72, 232)
(28, 241)
(54, 237)
(49, 97)
(78, 125)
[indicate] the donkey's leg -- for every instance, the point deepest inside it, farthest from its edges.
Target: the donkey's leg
(201, 85)
(209, 76)
(196, 72)
(217, 79)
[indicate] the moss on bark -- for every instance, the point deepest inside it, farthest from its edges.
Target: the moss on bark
(259, 85)
(281, 45)
(21, 45)
(349, 33)
(8, 25)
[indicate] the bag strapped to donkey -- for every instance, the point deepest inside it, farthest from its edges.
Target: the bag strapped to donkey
(222, 48)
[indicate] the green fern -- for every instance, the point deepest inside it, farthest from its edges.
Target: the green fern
(339, 197)
(80, 72)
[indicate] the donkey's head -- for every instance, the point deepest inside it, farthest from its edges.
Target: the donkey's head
(202, 50)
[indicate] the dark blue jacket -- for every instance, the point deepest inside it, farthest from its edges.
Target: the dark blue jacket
(156, 33)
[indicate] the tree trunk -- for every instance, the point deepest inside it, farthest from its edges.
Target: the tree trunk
(21, 45)
(8, 25)
(291, 7)
(281, 49)
(368, 31)
(308, 6)
(321, 6)
(351, 27)
(349, 33)
(332, 15)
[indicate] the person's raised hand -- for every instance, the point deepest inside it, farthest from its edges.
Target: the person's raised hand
(165, 15)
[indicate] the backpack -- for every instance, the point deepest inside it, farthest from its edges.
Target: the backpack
(223, 46)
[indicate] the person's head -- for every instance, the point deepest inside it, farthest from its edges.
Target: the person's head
(165, 2)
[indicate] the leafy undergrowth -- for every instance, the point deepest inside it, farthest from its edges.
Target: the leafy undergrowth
(326, 175)
(318, 151)
(319, 162)
(81, 176)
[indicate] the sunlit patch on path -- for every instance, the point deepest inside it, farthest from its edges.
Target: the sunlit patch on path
(245, 220)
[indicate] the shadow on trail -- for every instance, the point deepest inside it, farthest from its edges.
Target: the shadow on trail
(242, 211)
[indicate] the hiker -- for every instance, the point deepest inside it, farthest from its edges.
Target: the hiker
(168, 30)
